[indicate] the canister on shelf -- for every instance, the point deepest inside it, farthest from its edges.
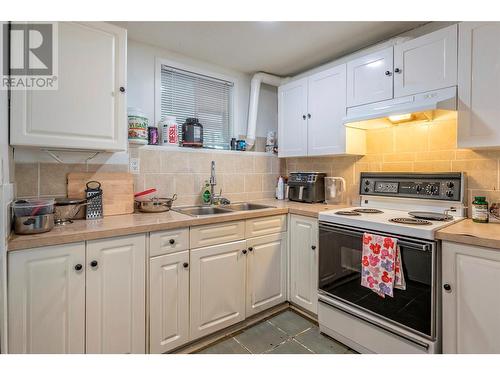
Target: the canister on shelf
(137, 126)
(169, 131)
(153, 136)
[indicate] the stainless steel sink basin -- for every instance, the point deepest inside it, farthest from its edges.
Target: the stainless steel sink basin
(247, 206)
(203, 210)
(217, 210)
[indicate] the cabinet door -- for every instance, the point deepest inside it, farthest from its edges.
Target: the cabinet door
(266, 272)
(472, 306)
(292, 118)
(116, 295)
(369, 78)
(168, 302)
(327, 107)
(217, 287)
(426, 63)
(46, 296)
(478, 84)
(87, 110)
(304, 262)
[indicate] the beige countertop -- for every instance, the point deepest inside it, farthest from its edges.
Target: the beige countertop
(110, 226)
(468, 232)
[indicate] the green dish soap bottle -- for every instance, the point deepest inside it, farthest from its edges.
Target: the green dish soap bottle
(205, 195)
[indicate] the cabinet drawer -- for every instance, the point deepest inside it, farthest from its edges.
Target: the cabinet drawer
(265, 225)
(168, 241)
(213, 234)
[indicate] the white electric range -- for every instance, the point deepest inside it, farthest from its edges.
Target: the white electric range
(410, 207)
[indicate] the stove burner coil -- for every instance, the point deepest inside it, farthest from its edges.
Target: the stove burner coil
(347, 213)
(409, 221)
(368, 211)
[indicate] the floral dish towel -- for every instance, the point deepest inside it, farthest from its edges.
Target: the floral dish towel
(381, 269)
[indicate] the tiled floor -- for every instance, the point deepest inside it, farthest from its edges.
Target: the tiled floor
(285, 333)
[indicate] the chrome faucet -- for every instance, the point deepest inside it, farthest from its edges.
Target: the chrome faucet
(213, 182)
(215, 199)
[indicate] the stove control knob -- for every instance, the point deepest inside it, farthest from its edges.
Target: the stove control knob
(450, 184)
(433, 189)
(367, 189)
(449, 193)
(367, 182)
(418, 188)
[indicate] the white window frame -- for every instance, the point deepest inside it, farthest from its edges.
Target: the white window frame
(159, 61)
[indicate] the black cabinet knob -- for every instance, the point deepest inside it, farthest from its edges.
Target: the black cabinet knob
(78, 267)
(122, 89)
(397, 70)
(171, 241)
(185, 265)
(93, 263)
(388, 73)
(447, 287)
(313, 247)
(244, 251)
(308, 115)
(250, 249)
(303, 117)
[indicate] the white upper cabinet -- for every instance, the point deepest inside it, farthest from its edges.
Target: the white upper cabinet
(116, 295)
(369, 78)
(292, 118)
(311, 115)
(88, 110)
(46, 289)
(479, 84)
(326, 103)
(426, 63)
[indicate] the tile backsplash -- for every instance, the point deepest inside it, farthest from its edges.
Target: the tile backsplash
(241, 176)
(419, 147)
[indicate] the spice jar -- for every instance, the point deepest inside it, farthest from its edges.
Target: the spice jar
(480, 210)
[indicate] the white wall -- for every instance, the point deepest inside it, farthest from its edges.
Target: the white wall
(141, 86)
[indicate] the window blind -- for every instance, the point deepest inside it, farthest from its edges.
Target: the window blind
(185, 94)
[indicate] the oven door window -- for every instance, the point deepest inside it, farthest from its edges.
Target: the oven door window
(340, 277)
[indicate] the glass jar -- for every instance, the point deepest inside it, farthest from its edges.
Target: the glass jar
(480, 210)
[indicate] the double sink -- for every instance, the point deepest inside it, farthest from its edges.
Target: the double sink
(218, 210)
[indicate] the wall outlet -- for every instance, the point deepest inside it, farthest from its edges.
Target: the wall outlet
(134, 165)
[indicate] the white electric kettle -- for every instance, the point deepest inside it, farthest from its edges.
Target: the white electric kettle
(334, 190)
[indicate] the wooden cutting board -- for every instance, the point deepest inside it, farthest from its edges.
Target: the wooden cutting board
(117, 189)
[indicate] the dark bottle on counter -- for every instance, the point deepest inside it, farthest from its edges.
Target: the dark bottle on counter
(233, 144)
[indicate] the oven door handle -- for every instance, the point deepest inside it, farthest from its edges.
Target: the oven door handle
(413, 245)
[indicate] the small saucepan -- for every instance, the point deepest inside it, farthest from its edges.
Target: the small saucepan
(155, 204)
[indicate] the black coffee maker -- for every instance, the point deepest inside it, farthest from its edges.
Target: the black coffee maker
(192, 133)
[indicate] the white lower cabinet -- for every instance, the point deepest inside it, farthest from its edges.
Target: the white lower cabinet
(116, 295)
(266, 272)
(46, 298)
(471, 302)
(304, 262)
(168, 302)
(217, 287)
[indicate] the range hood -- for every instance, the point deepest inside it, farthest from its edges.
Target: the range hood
(416, 105)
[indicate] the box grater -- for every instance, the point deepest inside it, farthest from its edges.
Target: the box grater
(93, 192)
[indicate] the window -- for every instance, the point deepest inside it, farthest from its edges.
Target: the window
(186, 94)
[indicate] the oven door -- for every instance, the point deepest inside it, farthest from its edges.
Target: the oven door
(340, 278)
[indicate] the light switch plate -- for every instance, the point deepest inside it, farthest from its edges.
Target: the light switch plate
(134, 165)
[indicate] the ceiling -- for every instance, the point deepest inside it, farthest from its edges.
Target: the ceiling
(282, 48)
